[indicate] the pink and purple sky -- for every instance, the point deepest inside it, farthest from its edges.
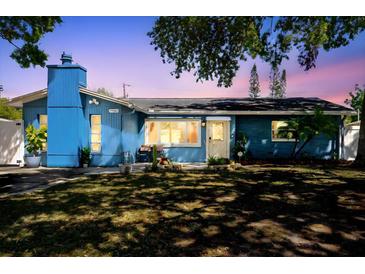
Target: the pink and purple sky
(116, 50)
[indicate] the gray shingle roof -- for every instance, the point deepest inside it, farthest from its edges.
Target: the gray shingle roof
(236, 104)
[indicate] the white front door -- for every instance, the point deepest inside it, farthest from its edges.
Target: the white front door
(218, 138)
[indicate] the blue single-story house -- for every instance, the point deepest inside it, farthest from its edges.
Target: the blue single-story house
(190, 130)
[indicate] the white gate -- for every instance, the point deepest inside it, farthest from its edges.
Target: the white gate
(350, 141)
(11, 142)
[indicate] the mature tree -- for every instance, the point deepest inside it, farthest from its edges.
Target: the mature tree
(212, 47)
(304, 129)
(283, 84)
(24, 33)
(254, 89)
(9, 112)
(275, 84)
(105, 92)
(356, 98)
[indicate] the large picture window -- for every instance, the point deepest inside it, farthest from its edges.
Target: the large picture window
(43, 123)
(281, 132)
(95, 133)
(170, 133)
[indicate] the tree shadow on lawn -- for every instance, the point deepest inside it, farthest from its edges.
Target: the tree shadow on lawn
(261, 211)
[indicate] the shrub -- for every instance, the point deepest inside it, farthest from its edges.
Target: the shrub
(154, 158)
(85, 155)
(212, 160)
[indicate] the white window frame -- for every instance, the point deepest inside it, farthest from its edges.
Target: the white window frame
(198, 144)
(279, 139)
(91, 142)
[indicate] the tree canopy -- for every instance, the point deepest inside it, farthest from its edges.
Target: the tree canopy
(24, 33)
(277, 83)
(104, 91)
(304, 128)
(356, 98)
(283, 84)
(212, 47)
(254, 88)
(9, 112)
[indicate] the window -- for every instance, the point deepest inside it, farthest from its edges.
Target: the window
(95, 133)
(281, 132)
(43, 123)
(217, 131)
(184, 132)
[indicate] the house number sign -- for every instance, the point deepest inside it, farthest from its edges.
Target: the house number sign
(113, 110)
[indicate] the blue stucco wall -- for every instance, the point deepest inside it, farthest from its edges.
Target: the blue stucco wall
(195, 154)
(31, 112)
(120, 132)
(65, 115)
(125, 130)
(132, 131)
(260, 145)
(63, 85)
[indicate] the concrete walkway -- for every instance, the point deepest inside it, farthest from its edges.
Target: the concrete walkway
(15, 180)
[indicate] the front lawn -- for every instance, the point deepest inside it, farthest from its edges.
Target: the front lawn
(258, 211)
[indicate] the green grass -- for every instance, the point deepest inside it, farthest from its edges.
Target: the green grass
(257, 211)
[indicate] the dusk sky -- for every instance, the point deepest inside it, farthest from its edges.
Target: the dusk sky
(116, 50)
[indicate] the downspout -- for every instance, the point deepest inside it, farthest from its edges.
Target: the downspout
(129, 113)
(341, 138)
(133, 158)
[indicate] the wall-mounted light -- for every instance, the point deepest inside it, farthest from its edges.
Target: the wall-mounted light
(93, 101)
(203, 123)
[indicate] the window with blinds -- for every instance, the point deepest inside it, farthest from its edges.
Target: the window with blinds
(95, 132)
(170, 133)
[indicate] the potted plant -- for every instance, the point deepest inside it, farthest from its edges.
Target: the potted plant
(35, 140)
(85, 157)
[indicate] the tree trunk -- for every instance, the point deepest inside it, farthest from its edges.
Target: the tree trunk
(302, 146)
(360, 157)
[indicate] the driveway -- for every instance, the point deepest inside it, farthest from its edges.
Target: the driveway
(15, 180)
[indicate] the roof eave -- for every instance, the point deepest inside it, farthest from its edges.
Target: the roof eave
(248, 112)
(125, 103)
(20, 100)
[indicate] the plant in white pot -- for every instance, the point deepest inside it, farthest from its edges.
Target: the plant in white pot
(35, 140)
(85, 157)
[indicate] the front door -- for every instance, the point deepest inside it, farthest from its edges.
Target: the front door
(218, 138)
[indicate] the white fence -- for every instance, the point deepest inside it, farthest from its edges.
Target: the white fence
(350, 141)
(11, 142)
